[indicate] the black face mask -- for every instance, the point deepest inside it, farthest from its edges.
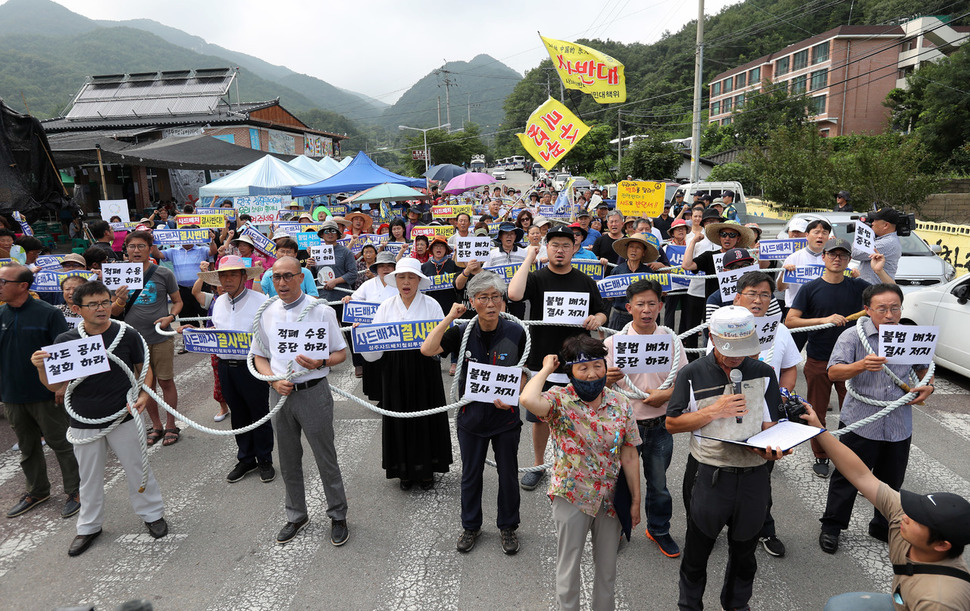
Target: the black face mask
(588, 390)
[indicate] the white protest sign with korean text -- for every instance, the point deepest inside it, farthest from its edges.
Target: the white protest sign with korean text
(727, 281)
(75, 359)
(115, 275)
(643, 353)
(865, 238)
(565, 307)
(472, 248)
(908, 344)
(767, 328)
(324, 254)
(290, 339)
(489, 382)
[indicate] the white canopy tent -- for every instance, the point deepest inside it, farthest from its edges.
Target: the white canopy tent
(266, 176)
(309, 166)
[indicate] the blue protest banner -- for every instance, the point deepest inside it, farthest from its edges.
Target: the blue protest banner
(291, 227)
(803, 275)
(507, 271)
(675, 254)
(359, 311)
(5, 262)
(17, 216)
(591, 268)
(50, 281)
(178, 237)
(394, 247)
(778, 250)
(220, 342)
(440, 282)
(357, 243)
(229, 213)
(262, 243)
(306, 239)
(49, 261)
(389, 337)
(615, 286)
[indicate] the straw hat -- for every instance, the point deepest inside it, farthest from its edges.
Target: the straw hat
(243, 238)
(408, 264)
(746, 235)
(650, 253)
(227, 264)
(368, 220)
(340, 221)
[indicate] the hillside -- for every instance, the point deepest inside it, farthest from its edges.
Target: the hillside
(483, 82)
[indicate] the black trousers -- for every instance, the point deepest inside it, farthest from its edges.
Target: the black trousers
(888, 461)
(670, 311)
(690, 474)
(693, 310)
(248, 401)
(474, 449)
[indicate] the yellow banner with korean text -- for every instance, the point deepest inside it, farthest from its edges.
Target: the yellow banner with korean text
(640, 198)
(588, 70)
(552, 131)
(204, 221)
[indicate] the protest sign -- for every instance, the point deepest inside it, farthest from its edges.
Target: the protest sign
(262, 208)
(551, 132)
(486, 383)
(308, 338)
(727, 281)
(767, 328)
(49, 261)
(389, 337)
(205, 221)
(590, 267)
(803, 274)
(220, 342)
(507, 271)
(76, 358)
(229, 213)
(306, 239)
(394, 247)
(865, 238)
(359, 311)
(450, 212)
(323, 254)
(472, 248)
(588, 70)
(293, 227)
(116, 275)
(640, 198)
(50, 281)
(908, 344)
(615, 286)
(778, 250)
(260, 241)
(440, 282)
(114, 207)
(180, 237)
(432, 230)
(73, 321)
(675, 254)
(17, 216)
(357, 243)
(566, 307)
(643, 353)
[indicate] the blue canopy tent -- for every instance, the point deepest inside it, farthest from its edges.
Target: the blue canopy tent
(360, 174)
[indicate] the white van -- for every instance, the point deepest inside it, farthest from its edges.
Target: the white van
(715, 189)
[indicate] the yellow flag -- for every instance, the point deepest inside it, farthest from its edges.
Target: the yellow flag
(553, 130)
(588, 70)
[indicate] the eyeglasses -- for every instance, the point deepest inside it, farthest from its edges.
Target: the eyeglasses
(842, 255)
(330, 231)
(487, 298)
(96, 305)
(134, 246)
(284, 277)
(884, 311)
(728, 234)
(761, 296)
(4, 283)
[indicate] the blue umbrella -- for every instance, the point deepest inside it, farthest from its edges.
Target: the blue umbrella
(444, 172)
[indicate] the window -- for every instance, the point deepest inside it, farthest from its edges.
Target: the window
(754, 76)
(820, 79)
(820, 53)
(799, 60)
(739, 101)
(817, 105)
(716, 89)
(781, 66)
(798, 85)
(727, 84)
(715, 108)
(726, 121)
(727, 105)
(741, 80)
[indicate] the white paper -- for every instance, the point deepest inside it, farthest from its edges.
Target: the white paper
(308, 338)
(565, 307)
(865, 238)
(115, 207)
(908, 344)
(75, 359)
(489, 382)
(73, 321)
(642, 353)
(324, 254)
(727, 281)
(472, 248)
(116, 275)
(783, 436)
(767, 327)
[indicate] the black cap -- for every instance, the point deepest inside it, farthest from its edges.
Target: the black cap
(602, 205)
(844, 195)
(583, 212)
(711, 214)
(560, 231)
(837, 244)
(728, 194)
(887, 214)
(944, 512)
(707, 197)
(736, 255)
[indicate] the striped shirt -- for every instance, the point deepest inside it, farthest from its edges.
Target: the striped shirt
(898, 425)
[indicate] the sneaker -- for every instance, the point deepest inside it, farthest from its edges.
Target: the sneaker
(266, 473)
(26, 503)
(158, 528)
(339, 533)
(240, 471)
(467, 540)
(290, 530)
(510, 541)
(72, 506)
(668, 547)
(773, 546)
(821, 467)
(530, 481)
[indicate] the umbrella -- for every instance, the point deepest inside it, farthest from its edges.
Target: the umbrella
(385, 192)
(467, 182)
(444, 172)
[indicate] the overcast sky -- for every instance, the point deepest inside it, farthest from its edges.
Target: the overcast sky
(381, 47)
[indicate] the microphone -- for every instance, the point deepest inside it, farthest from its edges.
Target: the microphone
(736, 380)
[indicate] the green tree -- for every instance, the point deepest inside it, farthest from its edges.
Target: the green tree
(765, 111)
(740, 172)
(456, 147)
(650, 159)
(794, 167)
(594, 146)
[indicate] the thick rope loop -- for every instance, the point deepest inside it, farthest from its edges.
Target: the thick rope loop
(636, 393)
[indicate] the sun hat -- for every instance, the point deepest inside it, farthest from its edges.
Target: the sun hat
(227, 264)
(73, 258)
(746, 236)
(408, 264)
(368, 219)
(577, 226)
(650, 252)
(510, 228)
(383, 258)
(243, 238)
(328, 224)
(439, 239)
(733, 331)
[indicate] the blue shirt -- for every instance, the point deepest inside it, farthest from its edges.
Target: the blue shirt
(185, 263)
(308, 285)
(591, 237)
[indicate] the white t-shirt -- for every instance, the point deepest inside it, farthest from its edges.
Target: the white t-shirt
(237, 314)
(275, 313)
(799, 258)
(697, 287)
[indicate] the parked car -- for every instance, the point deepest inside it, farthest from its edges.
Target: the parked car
(715, 189)
(919, 265)
(947, 306)
(498, 174)
(560, 180)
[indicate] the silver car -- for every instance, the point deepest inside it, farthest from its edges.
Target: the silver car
(919, 265)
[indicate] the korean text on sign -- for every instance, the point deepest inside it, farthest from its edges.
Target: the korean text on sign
(565, 307)
(393, 336)
(115, 275)
(640, 198)
(179, 237)
(75, 359)
(290, 339)
(323, 253)
(865, 238)
(767, 328)
(588, 70)
(591, 268)
(220, 342)
(489, 382)
(552, 131)
(643, 353)
(778, 250)
(615, 286)
(359, 311)
(727, 281)
(907, 344)
(472, 248)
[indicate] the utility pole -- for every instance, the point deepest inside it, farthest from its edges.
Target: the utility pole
(439, 110)
(619, 140)
(448, 82)
(695, 141)
(469, 108)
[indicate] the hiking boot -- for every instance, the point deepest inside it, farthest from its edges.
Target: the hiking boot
(510, 541)
(668, 547)
(467, 540)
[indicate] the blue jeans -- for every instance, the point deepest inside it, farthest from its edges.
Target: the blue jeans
(656, 450)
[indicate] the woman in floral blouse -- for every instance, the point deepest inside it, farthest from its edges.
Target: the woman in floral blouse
(595, 433)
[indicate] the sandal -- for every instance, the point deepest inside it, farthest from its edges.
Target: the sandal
(171, 436)
(153, 435)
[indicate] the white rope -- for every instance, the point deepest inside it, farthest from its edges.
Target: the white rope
(636, 393)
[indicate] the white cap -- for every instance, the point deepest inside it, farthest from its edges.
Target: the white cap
(734, 332)
(798, 224)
